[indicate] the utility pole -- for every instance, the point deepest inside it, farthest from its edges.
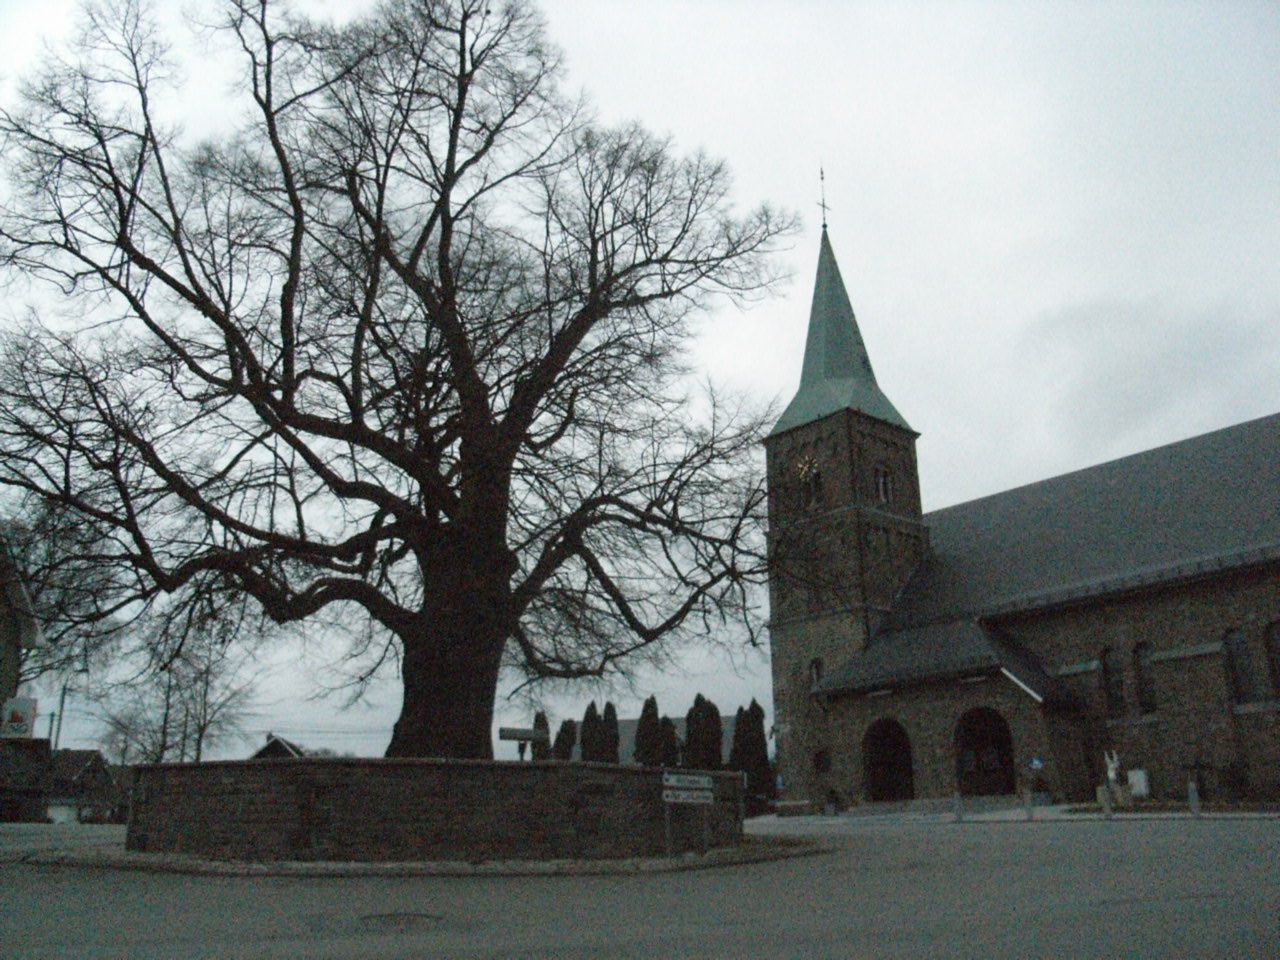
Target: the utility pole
(62, 706)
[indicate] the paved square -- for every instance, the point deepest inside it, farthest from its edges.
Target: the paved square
(891, 888)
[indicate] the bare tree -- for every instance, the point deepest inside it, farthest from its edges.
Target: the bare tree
(83, 606)
(188, 694)
(410, 342)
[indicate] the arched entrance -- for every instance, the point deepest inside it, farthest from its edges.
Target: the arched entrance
(886, 762)
(984, 754)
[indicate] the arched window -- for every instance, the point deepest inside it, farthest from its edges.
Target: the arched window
(1235, 654)
(808, 480)
(1112, 681)
(884, 485)
(815, 673)
(1143, 678)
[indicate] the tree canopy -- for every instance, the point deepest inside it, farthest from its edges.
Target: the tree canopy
(407, 343)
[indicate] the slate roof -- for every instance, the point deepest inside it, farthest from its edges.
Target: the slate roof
(73, 771)
(938, 651)
(837, 372)
(278, 748)
(1202, 505)
(1196, 506)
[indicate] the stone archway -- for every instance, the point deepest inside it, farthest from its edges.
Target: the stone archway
(886, 762)
(984, 754)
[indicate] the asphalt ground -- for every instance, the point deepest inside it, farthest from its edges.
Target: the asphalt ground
(885, 887)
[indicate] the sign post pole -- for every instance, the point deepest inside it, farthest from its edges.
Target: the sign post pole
(666, 826)
(684, 788)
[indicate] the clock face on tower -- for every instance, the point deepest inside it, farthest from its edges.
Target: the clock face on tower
(805, 468)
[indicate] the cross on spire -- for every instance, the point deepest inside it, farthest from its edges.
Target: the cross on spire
(822, 180)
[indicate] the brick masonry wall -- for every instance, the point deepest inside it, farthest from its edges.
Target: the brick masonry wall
(929, 715)
(1195, 720)
(410, 809)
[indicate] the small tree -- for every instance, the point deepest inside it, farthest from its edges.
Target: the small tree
(649, 735)
(670, 743)
(714, 737)
(566, 737)
(609, 735)
(589, 734)
(753, 751)
(541, 748)
(702, 735)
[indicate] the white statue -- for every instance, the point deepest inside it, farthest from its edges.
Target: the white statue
(1112, 760)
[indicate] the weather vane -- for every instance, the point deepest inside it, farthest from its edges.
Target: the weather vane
(822, 180)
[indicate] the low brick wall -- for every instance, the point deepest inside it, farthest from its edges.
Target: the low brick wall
(401, 809)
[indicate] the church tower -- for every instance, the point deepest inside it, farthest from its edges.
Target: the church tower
(845, 530)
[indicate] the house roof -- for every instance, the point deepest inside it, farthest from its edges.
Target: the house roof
(937, 651)
(72, 769)
(277, 748)
(1197, 506)
(1207, 504)
(837, 372)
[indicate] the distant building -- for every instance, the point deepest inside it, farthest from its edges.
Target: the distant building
(25, 780)
(82, 788)
(1009, 641)
(278, 748)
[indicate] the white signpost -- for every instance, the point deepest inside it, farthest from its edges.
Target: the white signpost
(687, 788)
(523, 736)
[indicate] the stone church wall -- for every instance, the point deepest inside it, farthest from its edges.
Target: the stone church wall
(407, 809)
(1196, 725)
(930, 714)
(801, 722)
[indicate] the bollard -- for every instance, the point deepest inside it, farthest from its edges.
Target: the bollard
(1193, 798)
(1105, 795)
(1030, 806)
(959, 807)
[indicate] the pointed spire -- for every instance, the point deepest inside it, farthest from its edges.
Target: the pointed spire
(837, 372)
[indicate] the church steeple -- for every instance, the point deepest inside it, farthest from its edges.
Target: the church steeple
(837, 372)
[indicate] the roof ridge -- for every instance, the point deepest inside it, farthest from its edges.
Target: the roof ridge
(1105, 463)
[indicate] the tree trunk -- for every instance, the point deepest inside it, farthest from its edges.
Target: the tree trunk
(449, 689)
(451, 660)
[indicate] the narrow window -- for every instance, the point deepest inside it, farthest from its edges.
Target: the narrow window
(1273, 656)
(1235, 655)
(809, 481)
(884, 485)
(813, 490)
(1112, 682)
(1143, 678)
(815, 673)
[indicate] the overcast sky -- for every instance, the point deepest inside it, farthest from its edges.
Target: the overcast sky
(1057, 223)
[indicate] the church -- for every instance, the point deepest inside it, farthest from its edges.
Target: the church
(1012, 642)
